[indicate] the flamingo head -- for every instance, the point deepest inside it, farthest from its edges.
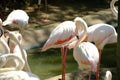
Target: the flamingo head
(108, 75)
(14, 36)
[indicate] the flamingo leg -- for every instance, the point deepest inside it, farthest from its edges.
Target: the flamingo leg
(63, 53)
(98, 66)
(97, 75)
(82, 76)
(89, 75)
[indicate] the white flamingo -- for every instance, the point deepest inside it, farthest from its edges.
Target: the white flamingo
(59, 38)
(17, 18)
(101, 34)
(14, 73)
(16, 49)
(112, 6)
(85, 53)
(5, 58)
(10, 74)
(18, 75)
(108, 75)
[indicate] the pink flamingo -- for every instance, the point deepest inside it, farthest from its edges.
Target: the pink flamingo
(85, 53)
(112, 6)
(17, 18)
(101, 34)
(15, 48)
(60, 37)
(87, 56)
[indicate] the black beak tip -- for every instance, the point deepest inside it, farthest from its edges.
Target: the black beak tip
(1, 32)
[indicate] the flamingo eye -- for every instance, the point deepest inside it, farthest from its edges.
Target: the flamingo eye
(14, 22)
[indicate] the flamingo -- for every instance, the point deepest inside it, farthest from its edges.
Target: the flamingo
(114, 10)
(60, 37)
(5, 58)
(17, 18)
(108, 75)
(16, 73)
(87, 56)
(85, 53)
(101, 34)
(17, 49)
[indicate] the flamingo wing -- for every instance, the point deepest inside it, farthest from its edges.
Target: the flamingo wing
(86, 55)
(61, 35)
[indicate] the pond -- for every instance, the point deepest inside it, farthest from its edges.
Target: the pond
(48, 64)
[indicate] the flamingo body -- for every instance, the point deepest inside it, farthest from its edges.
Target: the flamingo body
(61, 35)
(17, 18)
(18, 75)
(87, 56)
(101, 34)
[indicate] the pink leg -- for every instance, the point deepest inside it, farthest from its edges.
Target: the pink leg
(89, 75)
(97, 75)
(82, 76)
(98, 66)
(63, 53)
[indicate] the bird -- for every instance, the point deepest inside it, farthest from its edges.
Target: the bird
(60, 37)
(15, 48)
(101, 34)
(5, 58)
(112, 6)
(86, 54)
(108, 75)
(16, 74)
(17, 18)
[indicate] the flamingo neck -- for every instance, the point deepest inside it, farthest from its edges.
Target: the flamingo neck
(6, 58)
(7, 49)
(81, 26)
(114, 10)
(22, 52)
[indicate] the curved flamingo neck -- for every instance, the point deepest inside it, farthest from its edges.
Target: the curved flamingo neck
(6, 58)
(7, 49)
(81, 25)
(114, 10)
(16, 40)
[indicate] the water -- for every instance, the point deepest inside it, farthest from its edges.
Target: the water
(48, 64)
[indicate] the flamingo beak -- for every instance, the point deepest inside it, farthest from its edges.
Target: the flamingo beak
(6, 22)
(86, 39)
(1, 31)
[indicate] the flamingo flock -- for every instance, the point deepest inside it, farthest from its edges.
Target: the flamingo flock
(67, 35)
(13, 61)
